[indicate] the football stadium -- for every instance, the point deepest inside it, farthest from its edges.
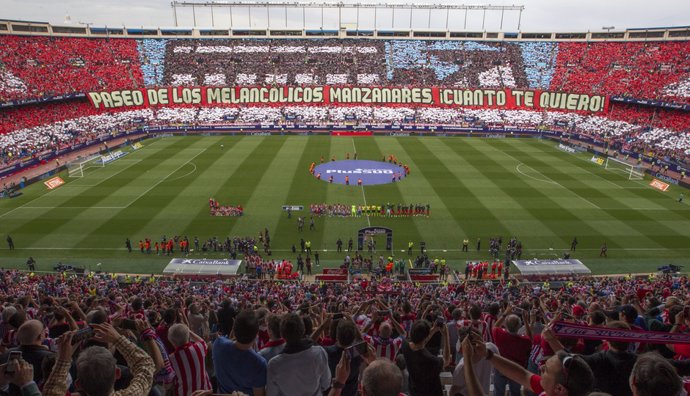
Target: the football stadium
(276, 210)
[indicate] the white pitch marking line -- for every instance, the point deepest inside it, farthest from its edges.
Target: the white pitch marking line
(74, 207)
(68, 184)
(163, 179)
(186, 174)
(107, 178)
(550, 180)
(643, 184)
(363, 195)
(517, 168)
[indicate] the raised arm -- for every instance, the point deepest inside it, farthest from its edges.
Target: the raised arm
(473, 386)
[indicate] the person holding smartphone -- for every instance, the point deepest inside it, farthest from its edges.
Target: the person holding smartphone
(347, 343)
(30, 336)
(19, 373)
(425, 368)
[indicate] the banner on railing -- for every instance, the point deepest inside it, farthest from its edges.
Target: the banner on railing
(350, 95)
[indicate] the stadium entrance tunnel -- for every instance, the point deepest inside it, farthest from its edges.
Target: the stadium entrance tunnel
(351, 172)
(368, 233)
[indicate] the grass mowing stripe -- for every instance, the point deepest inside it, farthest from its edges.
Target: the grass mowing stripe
(304, 190)
(238, 189)
(37, 191)
(654, 228)
(264, 205)
(584, 225)
(80, 228)
(593, 193)
(667, 204)
(42, 222)
(337, 227)
(415, 189)
(187, 199)
(504, 189)
(644, 198)
(214, 182)
(467, 209)
(404, 228)
(114, 169)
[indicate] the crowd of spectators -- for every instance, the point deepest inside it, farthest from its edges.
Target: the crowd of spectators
(36, 67)
(97, 333)
(60, 125)
(649, 70)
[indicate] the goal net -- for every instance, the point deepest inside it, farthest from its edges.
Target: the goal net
(632, 172)
(77, 168)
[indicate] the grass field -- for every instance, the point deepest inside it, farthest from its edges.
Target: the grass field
(476, 188)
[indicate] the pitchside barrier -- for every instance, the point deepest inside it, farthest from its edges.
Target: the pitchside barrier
(422, 275)
(337, 275)
(184, 267)
(557, 267)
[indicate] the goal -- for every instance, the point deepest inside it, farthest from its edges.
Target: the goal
(632, 172)
(77, 168)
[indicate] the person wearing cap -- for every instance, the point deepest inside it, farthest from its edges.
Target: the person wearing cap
(579, 314)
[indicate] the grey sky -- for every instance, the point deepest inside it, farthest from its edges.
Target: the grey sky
(539, 15)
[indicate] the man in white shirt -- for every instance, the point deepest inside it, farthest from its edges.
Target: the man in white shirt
(482, 369)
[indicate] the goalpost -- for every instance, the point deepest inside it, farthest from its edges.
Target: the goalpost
(632, 172)
(77, 168)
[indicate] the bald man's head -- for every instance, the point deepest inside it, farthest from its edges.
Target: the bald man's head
(382, 378)
(30, 333)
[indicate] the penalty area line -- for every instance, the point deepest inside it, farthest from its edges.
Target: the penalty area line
(186, 174)
(165, 178)
(550, 180)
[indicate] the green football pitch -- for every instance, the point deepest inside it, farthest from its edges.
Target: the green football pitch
(477, 188)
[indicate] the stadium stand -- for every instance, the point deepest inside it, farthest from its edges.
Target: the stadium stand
(35, 67)
(650, 70)
(279, 334)
(253, 316)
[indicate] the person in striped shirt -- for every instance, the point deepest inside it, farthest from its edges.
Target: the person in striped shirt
(188, 360)
(384, 343)
(475, 323)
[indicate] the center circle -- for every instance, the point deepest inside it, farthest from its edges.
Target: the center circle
(369, 172)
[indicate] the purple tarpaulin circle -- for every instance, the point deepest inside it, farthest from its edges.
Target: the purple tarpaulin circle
(371, 172)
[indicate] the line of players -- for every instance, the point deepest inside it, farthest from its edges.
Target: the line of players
(386, 210)
(233, 246)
